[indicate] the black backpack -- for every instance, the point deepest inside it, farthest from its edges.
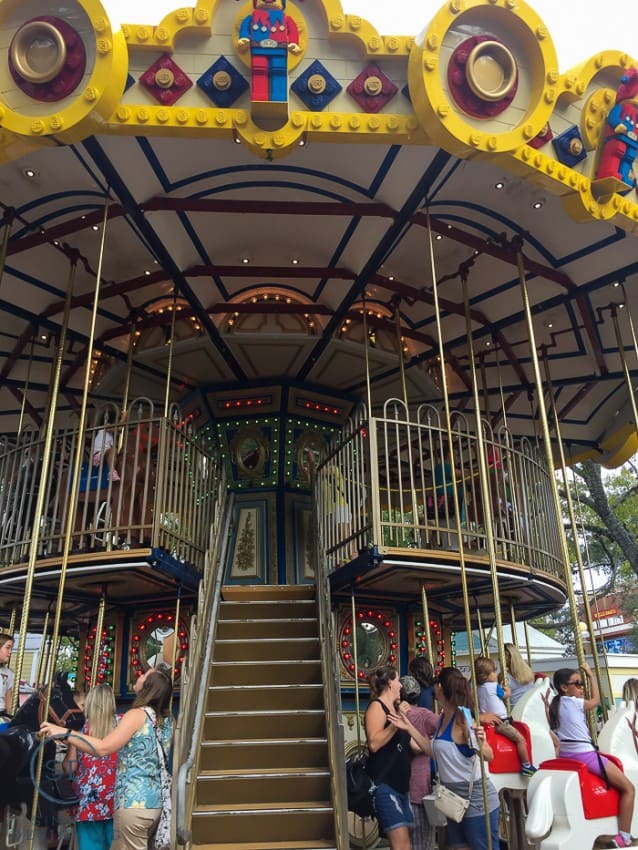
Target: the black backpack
(360, 785)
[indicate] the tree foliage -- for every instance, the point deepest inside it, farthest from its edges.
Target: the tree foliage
(606, 510)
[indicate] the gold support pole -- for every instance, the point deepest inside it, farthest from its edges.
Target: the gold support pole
(12, 622)
(41, 669)
(574, 527)
(44, 477)
(174, 653)
(548, 449)
(357, 706)
(397, 325)
(366, 352)
(97, 645)
(479, 628)
(8, 223)
(426, 624)
(579, 510)
(513, 625)
(486, 496)
(456, 501)
(169, 367)
(25, 391)
(527, 646)
(73, 494)
(623, 358)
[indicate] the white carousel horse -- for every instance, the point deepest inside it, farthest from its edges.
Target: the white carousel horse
(570, 808)
(530, 710)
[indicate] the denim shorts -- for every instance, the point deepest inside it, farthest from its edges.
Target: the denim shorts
(392, 808)
(471, 832)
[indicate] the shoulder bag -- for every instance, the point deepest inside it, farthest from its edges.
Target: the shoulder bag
(161, 838)
(446, 802)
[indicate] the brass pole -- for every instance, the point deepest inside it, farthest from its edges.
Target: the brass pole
(548, 448)
(356, 664)
(127, 382)
(513, 625)
(397, 325)
(12, 622)
(174, 653)
(73, 494)
(366, 351)
(574, 527)
(527, 646)
(41, 668)
(621, 351)
(169, 368)
(456, 502)
(44, 477)
(97, 643)
(579, 509)
(25, 391)
(8, 218)
(479, 628)
(486, 496)
(426, 623)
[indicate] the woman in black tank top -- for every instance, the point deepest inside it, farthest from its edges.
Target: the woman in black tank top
(390, 756)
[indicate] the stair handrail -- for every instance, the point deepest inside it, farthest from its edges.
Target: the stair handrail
(210, 595)
(331, 689)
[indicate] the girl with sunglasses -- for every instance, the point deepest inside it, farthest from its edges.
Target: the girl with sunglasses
(568, 718)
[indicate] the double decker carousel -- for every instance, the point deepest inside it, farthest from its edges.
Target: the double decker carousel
(300, 334)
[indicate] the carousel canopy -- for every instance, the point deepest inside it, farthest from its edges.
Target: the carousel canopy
(389, 173)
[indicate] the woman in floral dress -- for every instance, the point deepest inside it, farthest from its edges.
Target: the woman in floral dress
(94, 777)
(138, 792)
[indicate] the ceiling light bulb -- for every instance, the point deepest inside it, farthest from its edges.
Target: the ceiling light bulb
(438, 237)
(245, 260)
(537, 205)
(29, 172)
(295, 261)
(499, 185)
(95, 227)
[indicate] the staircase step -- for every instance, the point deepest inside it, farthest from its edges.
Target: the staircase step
(265, 787)
(247, 725)
(283, 823)
(267, 591)
(233, 697)
(262, 609)
(272, 649)
(292, 628)
(271, 845)
(266, 673)
(256, 755)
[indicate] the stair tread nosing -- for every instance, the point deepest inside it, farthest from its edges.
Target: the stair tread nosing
(270, 845)
(268, 741)
(265, 773)
(204, 809)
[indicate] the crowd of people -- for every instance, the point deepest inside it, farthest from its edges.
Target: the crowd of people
(424, 725)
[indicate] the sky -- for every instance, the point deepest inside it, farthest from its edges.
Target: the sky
(576, 36)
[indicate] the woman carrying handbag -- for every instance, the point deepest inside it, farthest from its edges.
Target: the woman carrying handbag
(456, 748)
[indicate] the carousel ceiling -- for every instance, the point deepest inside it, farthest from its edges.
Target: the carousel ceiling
(269, 261)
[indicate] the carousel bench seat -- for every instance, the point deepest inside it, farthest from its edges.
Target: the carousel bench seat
(599, 801)
(506, 758)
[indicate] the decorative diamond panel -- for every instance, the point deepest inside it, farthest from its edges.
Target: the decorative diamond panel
(222, 83)
(316, 87)
(569, 146)
(372, 90)
(165, 80)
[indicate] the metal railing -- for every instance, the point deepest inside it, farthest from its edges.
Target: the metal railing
(145, 481)
(195, 681)
(388, 481)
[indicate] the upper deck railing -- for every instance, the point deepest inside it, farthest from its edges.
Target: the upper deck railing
(388, 481)
(144, 482)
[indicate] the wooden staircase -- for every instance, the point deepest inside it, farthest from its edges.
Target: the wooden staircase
(263, 772)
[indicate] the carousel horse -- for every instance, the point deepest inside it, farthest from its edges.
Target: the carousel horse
(569, 807)
(19, 743)
(529, 716)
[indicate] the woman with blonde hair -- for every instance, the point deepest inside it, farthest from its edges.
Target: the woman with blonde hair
(94, 776)
(630, 691)
(520, 674)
